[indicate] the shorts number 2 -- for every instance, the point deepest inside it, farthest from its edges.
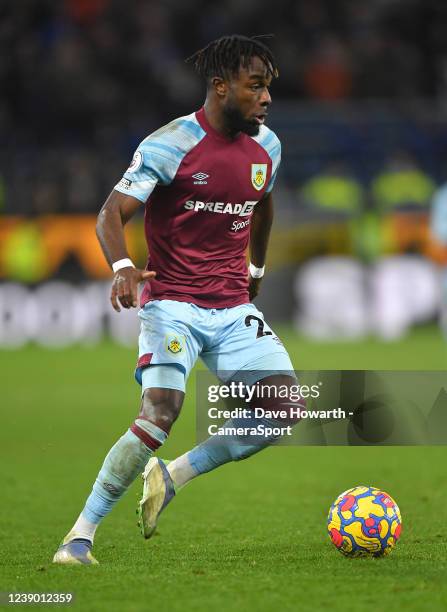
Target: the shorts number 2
(260, 323)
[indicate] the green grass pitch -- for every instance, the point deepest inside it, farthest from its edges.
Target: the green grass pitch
(250, 536)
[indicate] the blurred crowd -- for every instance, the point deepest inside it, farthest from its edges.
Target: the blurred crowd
(82, 81)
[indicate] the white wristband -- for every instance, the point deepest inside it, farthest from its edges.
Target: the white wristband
(122, 263)
(256, 272)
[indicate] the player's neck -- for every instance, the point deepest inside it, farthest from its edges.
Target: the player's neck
(216, 119)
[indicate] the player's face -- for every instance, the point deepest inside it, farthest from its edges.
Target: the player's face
(248, 98)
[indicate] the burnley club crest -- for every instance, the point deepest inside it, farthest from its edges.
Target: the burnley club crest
(258, 175)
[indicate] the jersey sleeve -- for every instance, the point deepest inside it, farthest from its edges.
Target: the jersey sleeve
(438, 218)
(275, 155)
(272, 145)
(158, 157)
(143, 174)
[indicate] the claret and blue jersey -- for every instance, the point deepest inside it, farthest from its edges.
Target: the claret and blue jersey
(200, 189)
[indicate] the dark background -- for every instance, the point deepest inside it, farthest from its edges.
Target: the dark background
(84, 81)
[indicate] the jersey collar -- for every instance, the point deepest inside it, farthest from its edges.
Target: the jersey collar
(206, 125)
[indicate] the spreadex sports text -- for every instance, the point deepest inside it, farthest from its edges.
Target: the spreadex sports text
(220, 207)
(242, 210)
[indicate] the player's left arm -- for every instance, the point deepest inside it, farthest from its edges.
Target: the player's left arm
(261, 224)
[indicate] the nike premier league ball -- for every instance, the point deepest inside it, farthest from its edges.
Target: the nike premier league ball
(364, 522)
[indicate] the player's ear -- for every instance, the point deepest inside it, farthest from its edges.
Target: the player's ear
(219, 85)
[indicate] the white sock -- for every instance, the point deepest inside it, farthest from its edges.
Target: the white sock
(83, 529)
(181, 471)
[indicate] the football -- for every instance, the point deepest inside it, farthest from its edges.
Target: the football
(364, 522)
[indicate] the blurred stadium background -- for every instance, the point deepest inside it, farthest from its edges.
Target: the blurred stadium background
(359, 108)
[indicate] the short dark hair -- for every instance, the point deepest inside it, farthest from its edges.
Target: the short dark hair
(225, 56)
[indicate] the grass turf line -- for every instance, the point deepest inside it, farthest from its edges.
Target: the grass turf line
(250, 536)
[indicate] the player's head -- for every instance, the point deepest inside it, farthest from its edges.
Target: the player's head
(238, 71)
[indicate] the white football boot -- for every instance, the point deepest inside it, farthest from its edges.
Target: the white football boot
(158, 490)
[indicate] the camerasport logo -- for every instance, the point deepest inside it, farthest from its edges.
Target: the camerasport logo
(200, 178)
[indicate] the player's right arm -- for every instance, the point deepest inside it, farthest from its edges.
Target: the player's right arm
(112, 218)
(155, 162)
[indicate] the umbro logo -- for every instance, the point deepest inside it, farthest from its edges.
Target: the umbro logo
(200, 176)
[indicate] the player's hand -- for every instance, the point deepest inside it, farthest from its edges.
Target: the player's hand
(125, 287)
(254, 285)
